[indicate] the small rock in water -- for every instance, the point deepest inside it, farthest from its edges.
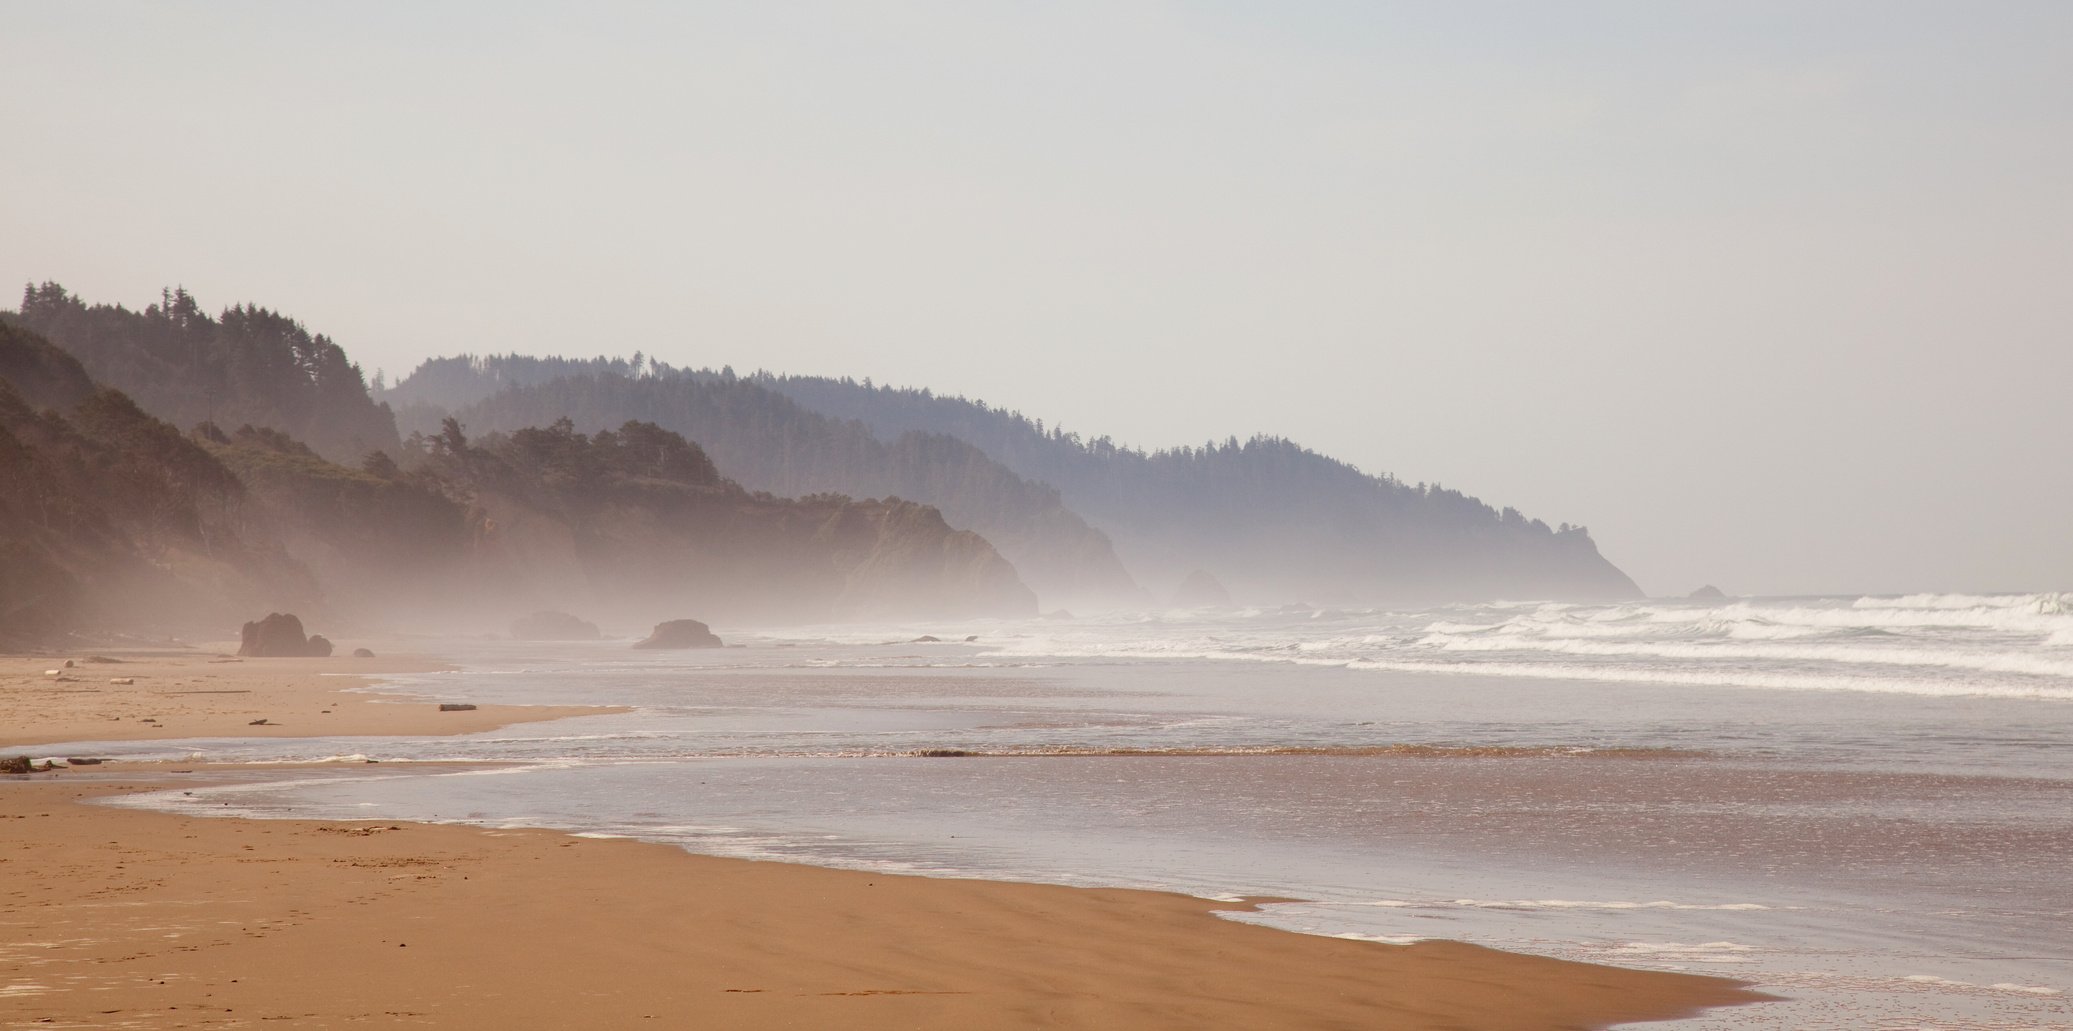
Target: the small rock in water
(363, 653)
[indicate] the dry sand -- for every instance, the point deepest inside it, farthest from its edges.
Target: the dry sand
(203, 694)
(117, 918)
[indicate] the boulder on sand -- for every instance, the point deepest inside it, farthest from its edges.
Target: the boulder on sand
(553, 626)
(279, 636)
(681, 633)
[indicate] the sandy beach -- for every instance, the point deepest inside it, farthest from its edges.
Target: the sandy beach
(125, 918)
(216, 694)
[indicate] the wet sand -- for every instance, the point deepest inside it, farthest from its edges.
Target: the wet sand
(117, 918)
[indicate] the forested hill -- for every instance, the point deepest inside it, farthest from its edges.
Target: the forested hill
(114, 521)
(1269, 518)
(769, 443)
(245, 365)
(109, 517)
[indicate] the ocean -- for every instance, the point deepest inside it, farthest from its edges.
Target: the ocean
(1862, 805)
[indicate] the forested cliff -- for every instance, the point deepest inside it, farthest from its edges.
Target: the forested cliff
(1273, 521)
(168, 462)
(111, 518)
(1267, 516)
(769, 443)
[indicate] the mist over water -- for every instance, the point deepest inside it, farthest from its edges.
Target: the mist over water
(1858, 803)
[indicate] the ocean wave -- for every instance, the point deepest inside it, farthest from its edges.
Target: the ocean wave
(1782, 680)
(1837, 675)
(2012, 646)
(2041, 614)
(2005, 986)
(1704, 952)
(2016, 618)
(1609, 906)
(2050, 603)
(1985, 662)
(1626, 673)
(1393, 751)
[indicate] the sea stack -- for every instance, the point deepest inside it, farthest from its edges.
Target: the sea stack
(681, 633)
(279, 636)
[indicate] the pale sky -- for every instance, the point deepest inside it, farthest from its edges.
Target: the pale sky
(1777, 296)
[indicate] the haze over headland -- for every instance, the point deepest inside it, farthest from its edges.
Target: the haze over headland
(1764, 295)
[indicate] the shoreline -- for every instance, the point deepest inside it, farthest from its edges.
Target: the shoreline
(139, 915)
(119, 915)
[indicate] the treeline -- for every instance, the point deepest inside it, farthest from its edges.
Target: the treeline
(1270, 518)
(771, 444)
(559, 442)
(113, 518)
(623, 521)
(1103, 476)
(245, 365)
(1265, 514)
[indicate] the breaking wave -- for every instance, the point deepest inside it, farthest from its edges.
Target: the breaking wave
(2009, 646)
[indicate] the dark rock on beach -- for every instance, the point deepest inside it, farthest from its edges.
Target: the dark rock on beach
(279, 636)
(681, 633)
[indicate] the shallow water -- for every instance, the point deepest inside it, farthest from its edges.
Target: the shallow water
(1882, 842)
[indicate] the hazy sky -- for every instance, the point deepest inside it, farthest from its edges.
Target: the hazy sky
(1777, 296)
